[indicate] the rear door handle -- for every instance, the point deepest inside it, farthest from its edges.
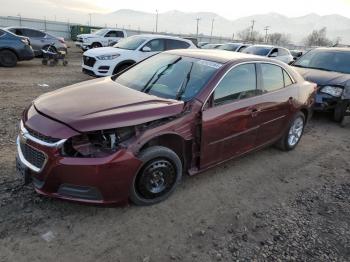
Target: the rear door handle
(254, 112)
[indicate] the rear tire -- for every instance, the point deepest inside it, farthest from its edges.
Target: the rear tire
(293, 135)
(8, 58)
(158, 177)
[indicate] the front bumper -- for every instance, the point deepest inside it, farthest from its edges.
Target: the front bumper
(87, 180)
(100, 68)
(325, 102)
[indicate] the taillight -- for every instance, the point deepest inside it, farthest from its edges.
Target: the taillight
(61, 40)
(25, 41)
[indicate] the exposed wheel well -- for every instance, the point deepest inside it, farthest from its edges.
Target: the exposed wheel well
(305, 112)
(174, 142)
(124, 63)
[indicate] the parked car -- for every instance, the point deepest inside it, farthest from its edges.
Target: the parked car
(112, 60)
(100, 38)
(201, 44)
(181, 111)
(211, 46)
(329, 68)
(39, 40)
(296, 54)
(13, 49)
(235, 47)
(278, 53)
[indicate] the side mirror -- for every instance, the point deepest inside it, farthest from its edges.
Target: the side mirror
(273, 55)
(146, 49)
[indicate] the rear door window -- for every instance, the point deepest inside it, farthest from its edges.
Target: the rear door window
(176, 44)
(114, 34)
(272, 77)
(33, 33)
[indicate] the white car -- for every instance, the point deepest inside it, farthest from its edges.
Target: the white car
(100, 38)
(278, 53)
(108, 61)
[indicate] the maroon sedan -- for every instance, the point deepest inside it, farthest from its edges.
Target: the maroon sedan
(133, 135)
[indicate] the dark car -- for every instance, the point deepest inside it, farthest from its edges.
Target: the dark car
(40, 40)
(329, 68)
(13, 49)
(181, 111)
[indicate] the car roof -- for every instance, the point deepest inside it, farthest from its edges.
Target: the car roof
(151, 36)
(346, 49)
(219, 56)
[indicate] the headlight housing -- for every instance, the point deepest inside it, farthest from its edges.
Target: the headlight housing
(107, 57)
(97, 144)
(335, 91)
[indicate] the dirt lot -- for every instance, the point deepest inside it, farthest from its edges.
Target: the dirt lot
(268, 206)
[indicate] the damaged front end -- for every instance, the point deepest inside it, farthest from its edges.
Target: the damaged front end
(97, 144)
(334, 98)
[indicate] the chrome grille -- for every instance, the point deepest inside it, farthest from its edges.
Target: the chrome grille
(41, 137)
(33, 156)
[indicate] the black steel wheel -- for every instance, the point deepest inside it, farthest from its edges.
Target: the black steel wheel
(158, 177)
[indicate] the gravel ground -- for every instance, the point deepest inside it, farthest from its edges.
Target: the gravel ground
(267, 206)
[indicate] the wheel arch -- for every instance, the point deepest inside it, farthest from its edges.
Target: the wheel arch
(173, 141)
(10, 49)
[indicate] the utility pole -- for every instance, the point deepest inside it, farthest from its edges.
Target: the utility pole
(252, 30)
(20, 19)
(197, 19)
(212, 27)
(156, 20)
(90, 18)
(266, 28)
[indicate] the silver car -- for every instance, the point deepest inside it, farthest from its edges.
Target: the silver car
(275, 52)
(39, 39)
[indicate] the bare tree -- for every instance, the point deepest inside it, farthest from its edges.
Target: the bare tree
(247, 35)
(279, 39)
(318, 38)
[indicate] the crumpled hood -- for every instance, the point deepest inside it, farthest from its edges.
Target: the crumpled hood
(323, 78)
(103, 104)
(105, 51)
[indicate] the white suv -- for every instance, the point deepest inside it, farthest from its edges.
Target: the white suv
(275, 52)
(111, 60)
(100, 38)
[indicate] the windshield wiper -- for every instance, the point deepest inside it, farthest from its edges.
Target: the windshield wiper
(148, 86)
(184, 84)
(314, 67)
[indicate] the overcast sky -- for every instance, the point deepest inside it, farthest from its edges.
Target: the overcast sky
(229, 9)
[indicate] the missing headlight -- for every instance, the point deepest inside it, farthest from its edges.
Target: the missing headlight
(97, 144)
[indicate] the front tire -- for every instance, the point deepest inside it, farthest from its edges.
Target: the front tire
(8, 58)
(292, 137)
(96, 45)
(158, 177)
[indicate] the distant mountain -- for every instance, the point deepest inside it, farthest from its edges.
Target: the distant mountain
(181, 22)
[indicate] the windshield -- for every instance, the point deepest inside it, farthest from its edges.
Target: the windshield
(338, 61)
(229, 47)
(130, 43)
(169, 76)
(257, 50)
(100, 32)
